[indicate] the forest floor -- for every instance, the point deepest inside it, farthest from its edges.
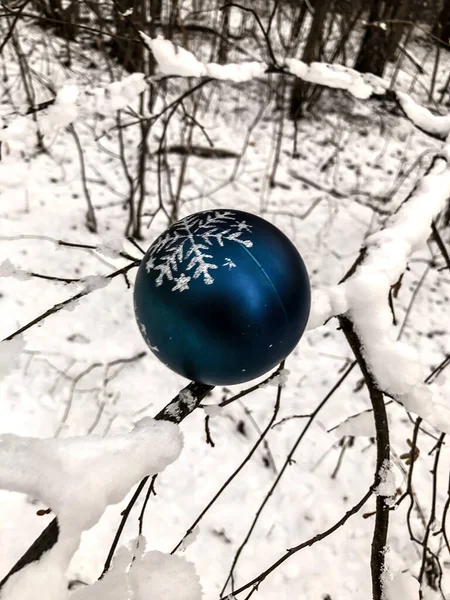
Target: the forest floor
(356, 164)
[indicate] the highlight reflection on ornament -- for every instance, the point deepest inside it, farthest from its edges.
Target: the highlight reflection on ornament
(222, 297)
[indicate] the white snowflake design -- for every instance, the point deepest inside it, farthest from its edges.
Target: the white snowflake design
(192, 238)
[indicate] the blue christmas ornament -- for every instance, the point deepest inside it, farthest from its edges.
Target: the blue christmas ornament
(222, 297)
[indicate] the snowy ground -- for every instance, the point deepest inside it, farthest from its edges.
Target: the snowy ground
(65, 384)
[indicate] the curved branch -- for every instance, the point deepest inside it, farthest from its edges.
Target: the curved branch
(379, 540)
(436, 126)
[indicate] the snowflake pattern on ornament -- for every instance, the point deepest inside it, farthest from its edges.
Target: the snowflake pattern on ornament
(191, 239)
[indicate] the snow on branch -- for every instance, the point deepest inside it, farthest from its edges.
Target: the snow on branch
(437, 126)
(401, 586)
(175, 60)
(63, 110)
(150, 576)
(363, 296)
(78, 478)
(360, 85)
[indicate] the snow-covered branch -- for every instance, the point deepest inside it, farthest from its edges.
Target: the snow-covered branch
(437, 126)
(361, 303)
(78, 478)
(63, 110)
(175, 60)
(363, 296)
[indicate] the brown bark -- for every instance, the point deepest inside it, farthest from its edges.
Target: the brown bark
(442, 28)
(63, 21)
(311, 52)
(222, 55)
(128, 52)
(379, 44)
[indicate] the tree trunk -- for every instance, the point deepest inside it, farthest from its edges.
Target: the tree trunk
(128, 52)
(63, 21)
(442, 28)
(311, 52)
(298, 24)
(382, 36)
(223, 43)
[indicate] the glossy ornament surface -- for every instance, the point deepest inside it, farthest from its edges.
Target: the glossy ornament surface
(222, 297)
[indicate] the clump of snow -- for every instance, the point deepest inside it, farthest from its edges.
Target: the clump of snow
(78, 478)
(60, 114)
(145, 576)
(338, 300)
(334, 76)
(72, 304)
(236, 72)
(114, 585)
(105, 100)
(386, 486)
(378, 85)
(173, 60)
(402, 586)
(326, 303)
(437, 125)
(95, 282)
(297, 67)
(189, 539)
(383, 357)
(162, 576)
(280, 379)
(187, 397)
(111, 249)
(120, 94)
(10, 351)
(7, 269)
(418, 399)
(19, 129)
(439, 412)
(63, 112)
(31, 582)
(321, 309)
